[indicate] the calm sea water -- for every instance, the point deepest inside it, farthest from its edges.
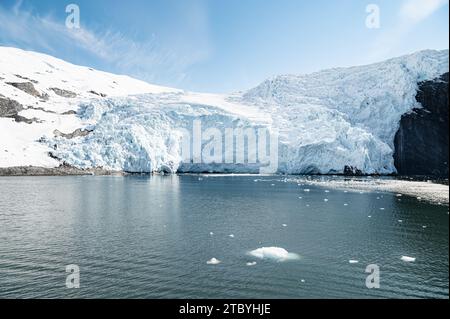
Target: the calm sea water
(149, 237)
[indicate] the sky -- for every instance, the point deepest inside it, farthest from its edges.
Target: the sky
(223, 46)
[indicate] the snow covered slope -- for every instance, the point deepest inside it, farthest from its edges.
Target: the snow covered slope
(54, 91)
(86, 118)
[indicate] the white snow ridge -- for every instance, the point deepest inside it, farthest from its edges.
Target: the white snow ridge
(325, 120)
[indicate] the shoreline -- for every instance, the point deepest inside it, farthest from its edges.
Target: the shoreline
(431, 189)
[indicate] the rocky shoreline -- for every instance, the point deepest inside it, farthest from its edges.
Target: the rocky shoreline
(62, 170)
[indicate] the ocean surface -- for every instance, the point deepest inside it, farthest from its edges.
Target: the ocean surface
(151, 237)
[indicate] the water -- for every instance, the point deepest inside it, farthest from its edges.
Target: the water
(149, 237)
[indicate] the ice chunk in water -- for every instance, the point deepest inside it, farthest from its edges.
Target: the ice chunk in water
(213, 261)
(273, 253)
(408, 259)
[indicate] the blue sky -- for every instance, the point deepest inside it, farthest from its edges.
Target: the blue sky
(223, 45)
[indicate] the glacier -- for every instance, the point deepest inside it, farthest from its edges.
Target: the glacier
(324, 121)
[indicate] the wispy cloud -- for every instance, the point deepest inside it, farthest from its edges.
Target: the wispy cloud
(411, 13)
(152, 59)
(414, 11)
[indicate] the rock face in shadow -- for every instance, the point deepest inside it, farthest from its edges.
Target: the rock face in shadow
(64, 93)
(10, 108)
(29, 88)
(421, 144)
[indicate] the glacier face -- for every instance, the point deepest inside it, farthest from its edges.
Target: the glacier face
(324, 121)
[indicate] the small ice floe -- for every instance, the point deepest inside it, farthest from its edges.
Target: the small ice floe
(200, 179)
(399, 195)
(300, 197)
(325, 200)
(369, 216)
(400, 220)
(253, 263)
(419, 198)
(345, 204)
(382, 208)
(273, 253)
(272, 184)
(284, 225)
(256, 181)
(307, 190)
(213, 261)
(327, 191)
(424, 227)
(307, 205)
(302, 281)
(211, 233)
(345, 191)
(408, 259)
(231, 236)
(378, 198)
(353, 261)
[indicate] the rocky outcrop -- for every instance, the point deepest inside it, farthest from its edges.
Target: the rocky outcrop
(63, 170)
(29, 88)
(421, 143)
(64, 93)
(96, 93)
(77, 133)
(10, 108)
(352, 171)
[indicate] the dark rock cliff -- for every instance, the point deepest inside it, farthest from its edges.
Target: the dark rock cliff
(421, 144)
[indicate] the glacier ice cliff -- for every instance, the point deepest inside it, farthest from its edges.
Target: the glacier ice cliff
(324, 121)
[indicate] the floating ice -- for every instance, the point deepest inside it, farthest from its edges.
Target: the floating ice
(284, 225)
(352, 261)
(408, 259)
(253, 263)
(211, 233)
(273, 253)
(213, 261)
(231, 236)
(325, 200)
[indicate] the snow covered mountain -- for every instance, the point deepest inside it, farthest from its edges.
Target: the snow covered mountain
(53, 112)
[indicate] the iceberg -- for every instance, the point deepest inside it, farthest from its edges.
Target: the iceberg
(273, 253)
(213, 261)
(408, 259)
